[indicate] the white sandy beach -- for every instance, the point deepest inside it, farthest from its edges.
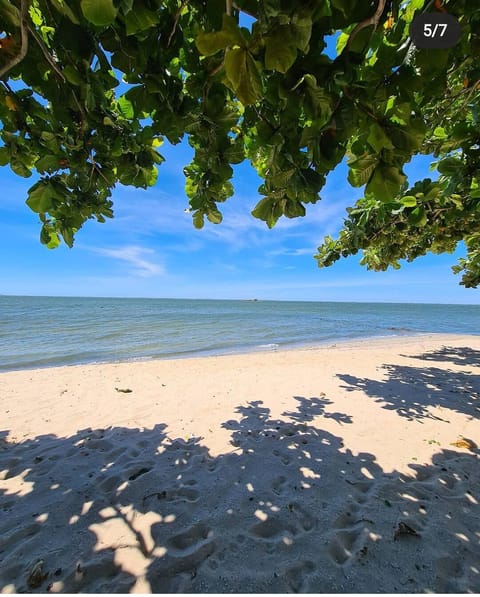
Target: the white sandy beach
(347, 468)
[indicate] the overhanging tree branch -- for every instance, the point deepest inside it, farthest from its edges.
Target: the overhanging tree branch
(24, 40)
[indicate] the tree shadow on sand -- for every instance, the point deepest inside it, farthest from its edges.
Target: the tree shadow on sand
(457, 355)
(413, 391)
(288, 509)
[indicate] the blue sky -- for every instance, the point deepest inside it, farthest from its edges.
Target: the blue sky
(151, 249)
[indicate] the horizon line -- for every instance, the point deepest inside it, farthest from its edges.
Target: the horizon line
(254, 299)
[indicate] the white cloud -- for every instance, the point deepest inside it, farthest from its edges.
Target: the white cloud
(293, 252)
(135, 257)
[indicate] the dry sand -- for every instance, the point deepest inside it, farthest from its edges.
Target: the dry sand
(316, 470)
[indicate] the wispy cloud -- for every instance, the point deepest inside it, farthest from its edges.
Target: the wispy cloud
(135, 257)
(292, 252)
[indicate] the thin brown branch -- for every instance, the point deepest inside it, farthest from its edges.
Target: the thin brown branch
(217, 69)
(24, 37)
(441, 113)
(82, 112)
(470, 91)
(46, 53)
(373, 20)
(99, 170)
(228, 7)
(175, 24)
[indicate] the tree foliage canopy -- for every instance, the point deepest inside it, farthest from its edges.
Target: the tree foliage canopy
(89, 89)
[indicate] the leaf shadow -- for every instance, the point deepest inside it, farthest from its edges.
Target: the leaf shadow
(412, 392)
(289, 509)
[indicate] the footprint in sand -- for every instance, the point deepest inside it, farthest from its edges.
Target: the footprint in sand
(349, 535)
(186, 551)
(211, 465)
(458, 572)
(306, 520)
(272, 529)
(278, 484)
(109, 484)
(297, 576)
(448, 569)
(185, 494)
(346, 519)
(189, 540)
(180, 494)
(363, 489)
(284, 458)
(340, 548)
(99, 567)
(8, 540)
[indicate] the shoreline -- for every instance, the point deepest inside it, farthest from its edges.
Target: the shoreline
(294, 470)
(271, 348)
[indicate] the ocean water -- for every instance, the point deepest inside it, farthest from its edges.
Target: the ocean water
(50, 331)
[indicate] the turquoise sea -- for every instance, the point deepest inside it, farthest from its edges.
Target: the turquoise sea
(49, 331)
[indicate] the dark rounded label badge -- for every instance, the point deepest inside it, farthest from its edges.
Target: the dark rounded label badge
(435, 30)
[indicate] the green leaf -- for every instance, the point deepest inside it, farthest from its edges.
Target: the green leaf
(140, 19)
(49, 237)
(302, 28)
(449, 166)
(72, 75)
(377, 139)
(267, 210)
(399, 113)
(4, 156)
(440, 133)
(198, 220)
(125, 107)
(50, 141)
(65, 10)
(47, 163)
(35, 15)
(235, 154)
(342, 42)
(67, 234)
(418, 217)
(385, 183)
(99, 12)
(40, 197)
(294, 209)
(20, 169)
(318, 100)
(214, 216)
(474, 188)
(280, 49)
(408, 139)
(242, 74)
(149, 175)
(282, 177)
(323, 9)
(54, 241)
(409, 201)
(125, 5)
(361, 170)
(212, 42)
